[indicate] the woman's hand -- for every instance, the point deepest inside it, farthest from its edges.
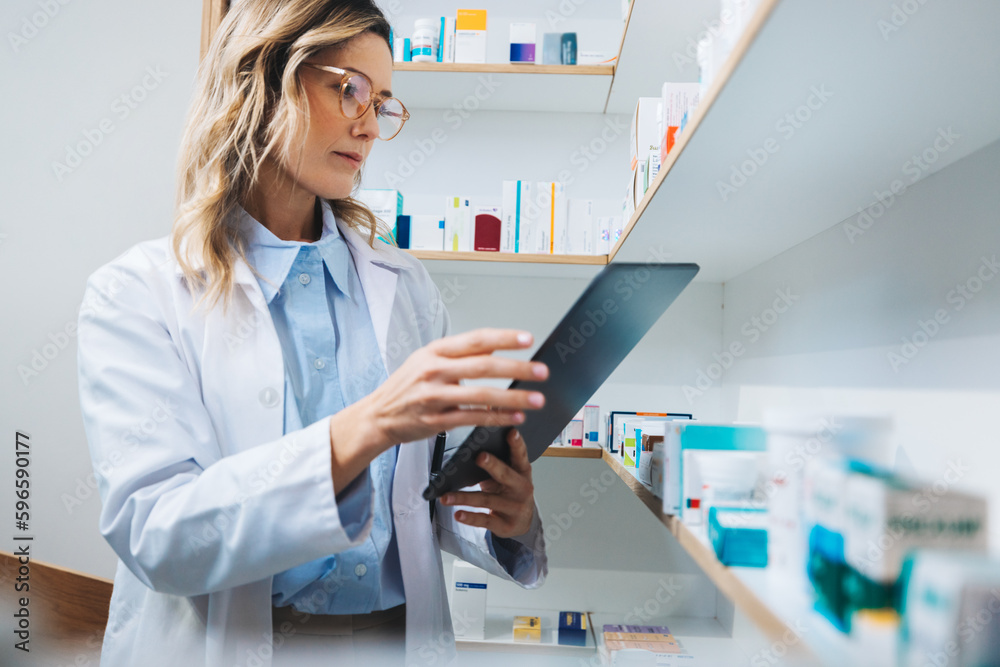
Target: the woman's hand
(509, 495)
(423, 397)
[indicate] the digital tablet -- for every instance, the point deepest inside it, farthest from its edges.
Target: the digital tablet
(612, 315)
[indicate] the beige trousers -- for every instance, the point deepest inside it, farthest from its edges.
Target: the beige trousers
(354, 640)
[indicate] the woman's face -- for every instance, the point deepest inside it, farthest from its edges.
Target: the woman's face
(336, 146)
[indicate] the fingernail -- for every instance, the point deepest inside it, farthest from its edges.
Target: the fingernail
(524, 338)
(540, 370)
(518, 417)
(446, 500)
(536, 400)
(486, 458)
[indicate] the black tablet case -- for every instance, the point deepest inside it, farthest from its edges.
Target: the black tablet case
(612, 315)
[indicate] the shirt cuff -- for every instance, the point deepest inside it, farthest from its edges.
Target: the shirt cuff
(354, 504)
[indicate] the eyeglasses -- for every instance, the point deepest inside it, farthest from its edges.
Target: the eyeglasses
(357, 94)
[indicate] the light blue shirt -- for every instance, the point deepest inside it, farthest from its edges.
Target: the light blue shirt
(332, 360)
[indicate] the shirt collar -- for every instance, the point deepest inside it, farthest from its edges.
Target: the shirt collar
(273, 257)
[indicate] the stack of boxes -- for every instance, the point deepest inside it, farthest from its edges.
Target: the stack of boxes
(535, 217)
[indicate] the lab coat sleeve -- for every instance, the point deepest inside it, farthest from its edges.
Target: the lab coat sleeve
(183, 518)
(522, 560)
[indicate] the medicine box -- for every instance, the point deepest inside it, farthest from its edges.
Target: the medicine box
(519, 212)
(527, 629)
(572, 628)
(468, 601)
(522, 42)
(470, 36)
(591, 425)
(687, 435)
(458, 224)
(887, 516)
(386, 205)
(950, 609)
(487, 228)
(426, 232)
(643, 138)
(677, 99)
(739, 536)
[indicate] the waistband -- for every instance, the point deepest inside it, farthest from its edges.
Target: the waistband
(332, 624)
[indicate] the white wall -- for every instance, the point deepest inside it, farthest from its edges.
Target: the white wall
(57, 228)
(843, 346)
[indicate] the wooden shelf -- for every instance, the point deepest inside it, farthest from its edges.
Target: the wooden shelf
(506, 68)
(561, 451)
(778, 611)
(871, 114)
(593, 260)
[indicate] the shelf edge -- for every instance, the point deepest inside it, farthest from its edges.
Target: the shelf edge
(728, 583)
(561, 451)
(483, 256)
(739, 51)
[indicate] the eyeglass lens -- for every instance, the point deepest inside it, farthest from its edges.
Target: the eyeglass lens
(358, 93)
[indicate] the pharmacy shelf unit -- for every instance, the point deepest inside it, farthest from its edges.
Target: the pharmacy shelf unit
(820, 111)
(503, 87)
(784, 615)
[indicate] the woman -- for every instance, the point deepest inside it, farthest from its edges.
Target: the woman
(264, 457)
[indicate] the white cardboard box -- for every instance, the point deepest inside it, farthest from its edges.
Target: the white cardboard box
(468, 601)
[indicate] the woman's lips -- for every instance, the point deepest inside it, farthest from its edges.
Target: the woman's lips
(352, 158)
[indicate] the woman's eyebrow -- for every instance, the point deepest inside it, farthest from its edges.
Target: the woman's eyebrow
(385, 93)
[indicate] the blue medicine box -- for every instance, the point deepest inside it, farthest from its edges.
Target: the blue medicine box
(572, 628)
(738, 535)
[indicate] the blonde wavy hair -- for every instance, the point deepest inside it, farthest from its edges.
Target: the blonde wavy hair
(250, 104)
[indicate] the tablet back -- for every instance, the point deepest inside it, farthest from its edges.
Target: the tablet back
(612, 315)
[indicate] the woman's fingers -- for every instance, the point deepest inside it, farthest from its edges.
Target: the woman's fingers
(488, 366)
(444, 397)
(519, 460)
(481, 341)
(446, 421)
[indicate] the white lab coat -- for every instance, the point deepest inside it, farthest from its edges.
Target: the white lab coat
(204, 499)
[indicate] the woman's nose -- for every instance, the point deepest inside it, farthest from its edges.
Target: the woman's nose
(367, 125)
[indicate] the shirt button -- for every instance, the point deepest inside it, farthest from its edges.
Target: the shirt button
(319, 364)
(360, 569)
(304, 278)
(268, 397)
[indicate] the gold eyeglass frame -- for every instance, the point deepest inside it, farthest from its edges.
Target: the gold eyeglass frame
(345, 76)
